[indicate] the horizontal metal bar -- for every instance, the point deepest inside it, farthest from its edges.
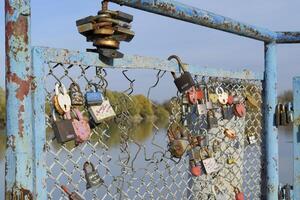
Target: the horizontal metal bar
(194, 15)
(65, 56)
(288, 37)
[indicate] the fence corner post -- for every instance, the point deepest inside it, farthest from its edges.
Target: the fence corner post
(270, 130)
(296, 137)
(19, 160)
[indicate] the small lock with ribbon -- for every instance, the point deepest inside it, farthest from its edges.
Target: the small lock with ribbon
(63, 129)
(91, 175)
(102, 112)
(76, 94)
(81, 127)
(185, 81)
(94, 97)
(61, 99)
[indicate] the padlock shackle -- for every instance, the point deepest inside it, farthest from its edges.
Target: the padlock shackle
(86, 164)
(78, 114)
(178, 61)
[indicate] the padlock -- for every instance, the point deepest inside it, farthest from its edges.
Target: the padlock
(251, 138)
(239, 110)
(251, 100)
(218, 194)
(94, 97)
(91, 175)
(102, 112)
(212, 121)
(277, 115)
(194, 95)
(289, 113)
(208, 161)
(81, 127)
(283, 120)
(185, 81)
(178, 147)
(63, 129)
(230, 99)
(222, 95)
(72, 195)
(209, 104)
(231, 160)
(214, 98)
(195, 168)
(61, 99)
(238, 194)
(201, 109)
(227, 112)
(76, 95)
(216, 146)
(230, 133)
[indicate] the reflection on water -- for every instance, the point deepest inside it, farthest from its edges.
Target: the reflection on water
(143, 132)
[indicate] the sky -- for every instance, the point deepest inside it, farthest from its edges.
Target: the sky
(53, 25)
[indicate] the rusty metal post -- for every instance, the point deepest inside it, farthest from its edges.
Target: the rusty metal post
(270, 130)
(19, 153)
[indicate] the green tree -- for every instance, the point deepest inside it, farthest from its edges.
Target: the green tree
(2, 108)
(145, 105)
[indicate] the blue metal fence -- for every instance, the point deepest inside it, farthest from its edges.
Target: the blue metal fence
(25, 174)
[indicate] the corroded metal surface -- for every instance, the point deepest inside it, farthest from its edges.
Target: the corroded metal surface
(270, 101)
(19, 158)
(296, 137)
(198, 16)
(137, 62)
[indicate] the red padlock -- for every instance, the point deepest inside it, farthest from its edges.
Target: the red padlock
(194, 94)
(230, 100)
(195, 169)
(239, 110)
(238, 194)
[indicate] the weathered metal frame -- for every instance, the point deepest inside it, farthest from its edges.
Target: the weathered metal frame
(296, 136)
(24, 93)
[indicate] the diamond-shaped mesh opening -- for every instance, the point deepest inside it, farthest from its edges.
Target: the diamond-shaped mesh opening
(134, 161)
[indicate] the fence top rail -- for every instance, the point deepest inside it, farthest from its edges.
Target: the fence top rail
(66, 56)
(201, 17)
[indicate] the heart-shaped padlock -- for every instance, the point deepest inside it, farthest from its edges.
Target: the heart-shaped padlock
(239, 110)
(222, 95)
(61, 99)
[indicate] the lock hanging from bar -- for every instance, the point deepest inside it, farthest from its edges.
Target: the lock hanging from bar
(106, 30)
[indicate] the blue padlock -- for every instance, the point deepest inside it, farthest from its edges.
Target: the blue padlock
(94, 97)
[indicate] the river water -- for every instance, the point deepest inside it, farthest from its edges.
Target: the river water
(285, 154)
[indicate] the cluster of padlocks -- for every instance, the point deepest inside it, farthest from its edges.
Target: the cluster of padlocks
(197, 98)
(284, 114)
(71, 125)
(106, 30)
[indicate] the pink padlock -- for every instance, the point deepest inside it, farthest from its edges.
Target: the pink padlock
(195, 169)
(81, 127)
(238, 194)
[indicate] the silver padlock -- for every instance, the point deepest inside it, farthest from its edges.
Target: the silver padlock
(102, 112)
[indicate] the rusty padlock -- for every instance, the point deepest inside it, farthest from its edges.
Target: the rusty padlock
(231, 134)
(178, 147)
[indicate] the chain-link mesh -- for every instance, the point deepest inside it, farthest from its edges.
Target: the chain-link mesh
(133, 158)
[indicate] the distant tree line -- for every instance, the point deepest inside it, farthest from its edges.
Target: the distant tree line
(139, 106)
